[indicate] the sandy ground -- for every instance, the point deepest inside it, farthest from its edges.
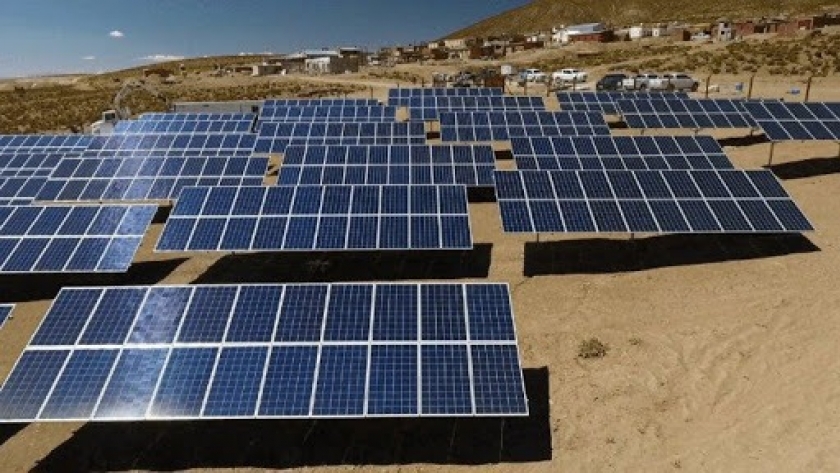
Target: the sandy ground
(723, 351)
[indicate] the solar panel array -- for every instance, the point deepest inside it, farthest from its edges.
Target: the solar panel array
(322, 102)
(427, 108)
(147, 177)
(397, 164)
(43, 143)
(20, 190)
(605, 102)
(502, 126)
(5, 312)
(128, 127)
(187, 144)
(445, 92)
(320, 218)
(270, 351)
(201, 116)
(727, 201)
(38, 239)
(276, 137)
(783, 121)
(26, 164)
(345, 114)
(690, 113)
(619, 152)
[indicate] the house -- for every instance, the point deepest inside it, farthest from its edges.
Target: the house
(294, 63)
(331, 64)
(638, 32)
(723, 31)
(588, 32)
(457, 43)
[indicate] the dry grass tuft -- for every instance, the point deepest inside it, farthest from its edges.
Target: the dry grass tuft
(592, 348)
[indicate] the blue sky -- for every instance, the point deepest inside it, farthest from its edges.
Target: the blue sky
(48, 36)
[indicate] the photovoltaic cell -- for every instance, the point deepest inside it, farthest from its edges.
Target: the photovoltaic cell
(171, 145)
(395, 164)
(711, 201)
(782, 121)
(276, 137)
(357, 358)
(320, 102)
(428, 108)
(619, 153)
(410, 92)
(319, 218)
(313, 114)
(5, 312)
(195, 116)
(685, 113)
(43, 143)
(40, 239)
(141, 127)
(504, 126)
(605, 102)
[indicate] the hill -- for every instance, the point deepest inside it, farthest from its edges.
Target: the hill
(540, 15)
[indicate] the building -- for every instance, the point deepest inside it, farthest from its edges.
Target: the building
(456, 43)
(332, 64)
(294, 63)
(638, 32)
(267, 69)
(588, 32)
(723, 31)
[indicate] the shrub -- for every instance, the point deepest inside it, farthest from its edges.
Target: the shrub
(592, 348)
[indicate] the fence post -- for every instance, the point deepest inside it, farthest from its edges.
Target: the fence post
(749, 92)
(708, 84)
(808, 88)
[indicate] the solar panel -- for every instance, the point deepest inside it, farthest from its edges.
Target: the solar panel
(5, 312)
(128, 127)
(686, 113)
(784, 121)
(445, 92)
(709, 201)
(322, 102)
(270, 351)
(318, 218)
(619, 152)
(43, 143)
(30, 164)
(275, 137)
(605, 102)
(200, 116)
(502, 126)
(427, 108)
(146, 177)
(395, 164)
(183, 144)
(304, 114)
(20, 190)
(71, 239)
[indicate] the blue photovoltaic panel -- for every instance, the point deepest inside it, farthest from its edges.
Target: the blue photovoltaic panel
(43, 143)
(692, 201)
(30, 164)
(344, 114)
(140, 127)
(423, 109)
(404, 93)
(319, 218)
(20, 190)
(685, 113)
(504, 126)
(348, 352)
(150, 177)
(200, 116)
(5, 312)
(395, 164)
(276, 137)
(783, 121)
(619, 152)
(321, 102)
(54, 239)
(605, 102)
(171, 145)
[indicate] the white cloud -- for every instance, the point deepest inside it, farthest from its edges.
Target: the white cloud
(161, 58)
(116, 34)
(89, 58)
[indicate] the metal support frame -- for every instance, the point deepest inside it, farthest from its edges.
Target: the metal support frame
(772, 151)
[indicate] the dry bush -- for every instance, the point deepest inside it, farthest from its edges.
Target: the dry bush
(592, 348)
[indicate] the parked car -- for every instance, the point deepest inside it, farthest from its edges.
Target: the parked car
(570, 75)
(677, 81)
(533, 75)
(611, 82)
(640, 82)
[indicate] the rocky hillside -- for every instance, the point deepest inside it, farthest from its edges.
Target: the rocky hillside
(544, 14)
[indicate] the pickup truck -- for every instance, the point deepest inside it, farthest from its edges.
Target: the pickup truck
(532, 75)
(570, 75)
(671, 81)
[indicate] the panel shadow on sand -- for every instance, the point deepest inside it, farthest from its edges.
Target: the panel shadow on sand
(168, 446)
(602, 256)
(350, 266)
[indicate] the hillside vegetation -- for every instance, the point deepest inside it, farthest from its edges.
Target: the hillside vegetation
(541, 15)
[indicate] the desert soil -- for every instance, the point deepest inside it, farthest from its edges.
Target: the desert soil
(723, 352)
